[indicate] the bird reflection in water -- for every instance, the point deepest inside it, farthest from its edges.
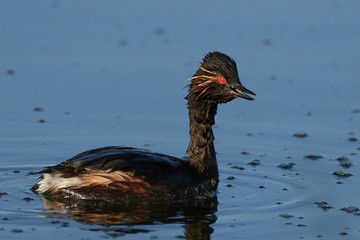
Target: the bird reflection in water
(118, 218)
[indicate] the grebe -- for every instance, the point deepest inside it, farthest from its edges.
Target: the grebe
(123, 173)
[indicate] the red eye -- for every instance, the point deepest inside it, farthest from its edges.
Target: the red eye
(222, 80)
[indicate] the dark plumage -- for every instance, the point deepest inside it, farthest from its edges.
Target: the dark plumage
(120, 173)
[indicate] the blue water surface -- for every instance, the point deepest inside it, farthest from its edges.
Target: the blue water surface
(77, 75)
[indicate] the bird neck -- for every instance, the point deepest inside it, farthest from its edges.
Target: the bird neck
(201, 149)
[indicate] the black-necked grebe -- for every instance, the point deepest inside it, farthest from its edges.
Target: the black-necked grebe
(120, 173)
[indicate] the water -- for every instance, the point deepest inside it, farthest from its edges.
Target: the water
(81, 75)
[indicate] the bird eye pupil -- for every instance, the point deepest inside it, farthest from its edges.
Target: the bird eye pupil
(222, 80)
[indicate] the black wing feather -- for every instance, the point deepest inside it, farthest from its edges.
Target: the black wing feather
(140, 161)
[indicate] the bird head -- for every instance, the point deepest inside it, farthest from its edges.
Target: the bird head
(217, 80)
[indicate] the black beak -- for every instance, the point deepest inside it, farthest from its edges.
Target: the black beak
(241, 92)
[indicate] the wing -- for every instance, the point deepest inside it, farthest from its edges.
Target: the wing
(140, 161)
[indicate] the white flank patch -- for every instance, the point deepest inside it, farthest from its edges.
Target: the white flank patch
(57, 181)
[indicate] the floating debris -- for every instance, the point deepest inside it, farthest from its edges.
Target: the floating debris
(313, 157)
(28, 199)
(238, 167)
(286, 215)
(38, 109)
(42, 121)
(343, 158)
(63, 224)
(342, 174)
(231, 178)
(245, 153)
(2, 194)
(346, 164)
(10, 72)
(323, 205)
(357, 110)
(352, 139)
(350, 209)
(286, 165)
(300, 135)
(254, 162)
(54, 222)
